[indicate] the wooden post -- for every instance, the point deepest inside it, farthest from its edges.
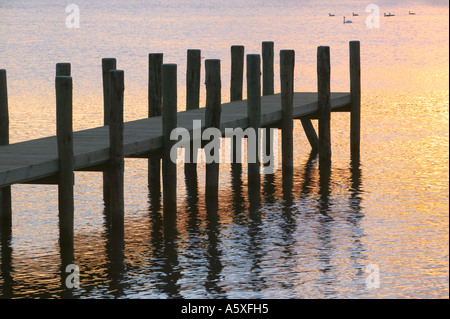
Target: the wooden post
(65, 148)
(323, 83)
(193, 79)
(169, 122)
(287, 63)
(155, 61)
(212, 119)
(64, 134)
(108, 64)
(236, 84)
(116, 172)
(63, 69)
(355, 93)
(267, 68)
(5, 192)
(192, 101)
(268, 81)
(237, 72)
(254, 121)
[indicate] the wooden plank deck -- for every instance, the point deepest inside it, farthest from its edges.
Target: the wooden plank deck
(35, 159)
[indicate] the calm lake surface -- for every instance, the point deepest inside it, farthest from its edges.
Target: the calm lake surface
(388, 213)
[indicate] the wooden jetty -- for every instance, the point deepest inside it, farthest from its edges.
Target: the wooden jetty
(53, 159)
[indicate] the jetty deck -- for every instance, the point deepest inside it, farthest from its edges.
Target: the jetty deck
(37, 159)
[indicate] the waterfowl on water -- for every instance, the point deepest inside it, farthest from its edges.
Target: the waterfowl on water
(348, 21)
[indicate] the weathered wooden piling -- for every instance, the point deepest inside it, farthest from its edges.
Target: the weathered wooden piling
(193, 79)
(108, 64)
(237, 72)
(155, 61)
(287, 64)
(64, 135)
(355, 95)
(63, 69)
(212, 120)
(66, 220)
(192, 100)
(116, 162)
(268, 87)
(254, 122)
(5, 192)
(169, 123)
(323, 89)
(267, 68)
(236, 88)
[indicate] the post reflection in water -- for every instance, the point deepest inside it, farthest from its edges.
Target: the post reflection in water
(355, 215)
(327, 223)
(170, 252)
(255, 248)
(214, 253)
(326, 247)
(156, 236)
(67, 258)
(163, 247)
(269, 188)
(238, 201)
(6, 261)
(307, 174)
(289, 223)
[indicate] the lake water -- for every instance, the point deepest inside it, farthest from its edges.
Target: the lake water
(323, 240)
